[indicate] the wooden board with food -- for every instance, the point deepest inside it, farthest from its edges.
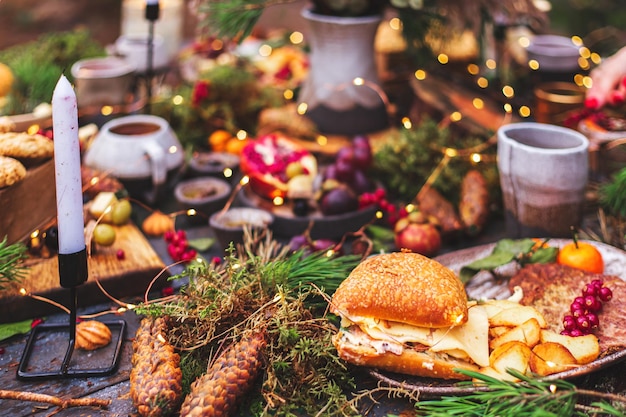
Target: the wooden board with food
(119, 276)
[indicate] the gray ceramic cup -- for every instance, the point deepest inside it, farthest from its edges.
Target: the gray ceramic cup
(543, 176)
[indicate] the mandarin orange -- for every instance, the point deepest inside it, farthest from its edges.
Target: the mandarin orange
(581, 255)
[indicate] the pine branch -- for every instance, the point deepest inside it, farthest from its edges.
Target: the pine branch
(613, 194)
(233, 19)
(11, 262)
(527, 397)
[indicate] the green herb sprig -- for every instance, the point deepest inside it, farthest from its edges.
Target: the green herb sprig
(529, 397)
(12, 258)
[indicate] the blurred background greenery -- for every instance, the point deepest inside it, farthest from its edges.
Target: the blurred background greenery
(601, 23)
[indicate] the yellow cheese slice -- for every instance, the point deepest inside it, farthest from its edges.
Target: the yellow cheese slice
(468, 340)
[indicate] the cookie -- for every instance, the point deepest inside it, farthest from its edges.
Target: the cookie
(25, 146)
(6, 124)
(11, 171)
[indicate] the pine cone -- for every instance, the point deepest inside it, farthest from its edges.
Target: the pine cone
(156, 378)
(215, 394)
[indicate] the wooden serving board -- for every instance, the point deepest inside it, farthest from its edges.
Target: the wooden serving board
(120, 278)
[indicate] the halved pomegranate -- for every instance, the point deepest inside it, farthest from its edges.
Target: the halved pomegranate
(265, 160)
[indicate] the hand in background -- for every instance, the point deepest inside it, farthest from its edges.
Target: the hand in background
(608, 82)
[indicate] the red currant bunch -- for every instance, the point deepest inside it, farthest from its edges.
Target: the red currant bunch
(378, 197)
(178, 246)
(583, 317)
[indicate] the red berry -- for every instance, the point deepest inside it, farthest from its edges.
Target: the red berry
(580, 300)
(577, 309)
(569, 322)
(583, 323)
(590, 290)
(592, 303)
(576, 333)
(605, 294)
(598, 283)
(168, 236)
(120, 255)
(380, 193)
(593, 320)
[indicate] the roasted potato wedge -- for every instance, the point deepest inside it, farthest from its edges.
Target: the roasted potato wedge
(498, 331)
(584, 348)
(551, 357)
(510, 355)
(493, 307)
(528, 333)
(517, 315)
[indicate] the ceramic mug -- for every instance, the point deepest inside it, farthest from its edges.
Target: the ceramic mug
(543, 176)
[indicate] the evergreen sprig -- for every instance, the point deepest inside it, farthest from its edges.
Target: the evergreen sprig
(528, 397)
(232, 19)
(613, 194)
(12, 268)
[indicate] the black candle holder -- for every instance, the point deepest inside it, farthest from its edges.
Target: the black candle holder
(48, 336)
(152, 15)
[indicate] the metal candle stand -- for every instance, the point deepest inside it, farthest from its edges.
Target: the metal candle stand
(152, 15)
(72, 272)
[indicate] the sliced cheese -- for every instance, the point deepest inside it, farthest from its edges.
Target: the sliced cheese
(469, 340)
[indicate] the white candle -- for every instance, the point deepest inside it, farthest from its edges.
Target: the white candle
(69, 188)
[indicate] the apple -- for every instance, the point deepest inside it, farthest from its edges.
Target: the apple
(422, 238)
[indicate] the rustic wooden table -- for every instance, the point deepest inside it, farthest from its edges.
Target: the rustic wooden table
(116, 386)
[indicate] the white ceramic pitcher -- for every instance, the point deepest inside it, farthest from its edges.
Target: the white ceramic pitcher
(136, 147)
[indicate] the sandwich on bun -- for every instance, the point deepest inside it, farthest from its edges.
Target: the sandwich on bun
(406, 313)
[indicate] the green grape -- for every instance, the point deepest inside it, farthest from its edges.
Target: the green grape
(104, 234)
(120, 212)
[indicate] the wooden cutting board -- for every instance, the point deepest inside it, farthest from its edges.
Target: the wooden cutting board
(119, 278)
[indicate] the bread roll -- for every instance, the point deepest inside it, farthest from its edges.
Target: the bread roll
(406, 313)
(404, 287)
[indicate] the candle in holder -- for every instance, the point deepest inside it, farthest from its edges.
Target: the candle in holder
(69, 188)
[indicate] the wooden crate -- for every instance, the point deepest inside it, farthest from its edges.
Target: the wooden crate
(29, 204)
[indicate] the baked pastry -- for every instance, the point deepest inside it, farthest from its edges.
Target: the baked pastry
(6, 124)
(11, 171)
(25, 146)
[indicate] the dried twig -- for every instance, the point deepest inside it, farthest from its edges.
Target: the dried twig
(50, 399)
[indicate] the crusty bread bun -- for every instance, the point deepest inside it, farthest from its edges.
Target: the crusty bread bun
(406, 313)
(405, 287)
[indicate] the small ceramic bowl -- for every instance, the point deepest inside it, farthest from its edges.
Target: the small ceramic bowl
(228, 226)
(214, 164)
(204, 194)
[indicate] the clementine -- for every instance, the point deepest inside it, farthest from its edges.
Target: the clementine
(581, 255)
(6, 79)
(235, 145)
(218, 139)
